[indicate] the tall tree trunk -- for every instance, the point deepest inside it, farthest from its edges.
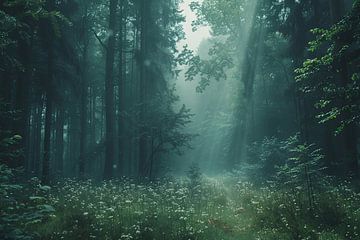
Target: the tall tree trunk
(59, 139)
(109, 94)
(122, 87)
(298, 47)
(22, 103)
(92, 116)
(133, 96)
(47, 138)
(83, 113)
(49, 95)
(73, 140)
(244, 130)
(145, 8)
(36, 137)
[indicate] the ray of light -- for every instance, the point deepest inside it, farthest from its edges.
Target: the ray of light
(209, 147)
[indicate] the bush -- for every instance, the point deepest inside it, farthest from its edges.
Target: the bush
(22, 206)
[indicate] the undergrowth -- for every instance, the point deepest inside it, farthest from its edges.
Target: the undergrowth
(123, 209)
(196, 209)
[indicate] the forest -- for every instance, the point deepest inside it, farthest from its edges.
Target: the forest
(179, 119)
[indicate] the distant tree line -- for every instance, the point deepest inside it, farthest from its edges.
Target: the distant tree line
(86, 86)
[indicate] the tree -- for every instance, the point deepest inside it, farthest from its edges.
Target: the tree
(159, 32)
(333, 74)
(50, 53)
(109, 93)
(165, 130)
(50, 5)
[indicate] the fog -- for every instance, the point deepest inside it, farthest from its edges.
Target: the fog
(214, 109)
(179, 119)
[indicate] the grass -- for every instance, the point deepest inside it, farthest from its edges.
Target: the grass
(215, 209)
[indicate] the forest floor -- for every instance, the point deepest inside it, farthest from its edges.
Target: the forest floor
(222, 208)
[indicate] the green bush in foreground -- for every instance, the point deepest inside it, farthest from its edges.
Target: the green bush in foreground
(22, 206)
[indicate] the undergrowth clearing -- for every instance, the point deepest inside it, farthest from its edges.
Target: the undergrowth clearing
(221, 208)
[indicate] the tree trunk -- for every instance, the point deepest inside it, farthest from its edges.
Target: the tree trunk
(122, 88)
(47, 138)
(36, 137)
(49, 95)
(59, 140)
(109, 95)
(145, 8)
(73, 136)
(22, 103)
(244, 131)
(83, 113)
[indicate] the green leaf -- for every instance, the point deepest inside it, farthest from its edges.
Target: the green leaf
(45, 188)
(47, 208)
(36, 198)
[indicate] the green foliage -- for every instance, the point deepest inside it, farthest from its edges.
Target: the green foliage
(224, 17)
(289, 161)
(332, 75)
(126, 210)
(195, 177)
(22, 206)
(294, 165)
(19, 21)
(302, 170)
(263, 157)
(9, 151)
(228, 23)
(164, 127)
(225, 209)
(9, 143)
(210, 69)
(284, 215)
(304, 162)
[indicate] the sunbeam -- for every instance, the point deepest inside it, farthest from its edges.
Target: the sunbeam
(218, 99)
(179, 119)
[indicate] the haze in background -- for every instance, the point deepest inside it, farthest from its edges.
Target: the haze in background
(214, 108)
(193, 39)
(201, 104)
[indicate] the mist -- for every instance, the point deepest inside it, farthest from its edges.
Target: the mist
(181, 119)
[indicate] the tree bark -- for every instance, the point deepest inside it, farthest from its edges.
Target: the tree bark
(122, 87)
(22, 103)
(59, 140)
(109, 95)
(47, 138)
(36, 137)
(245, 127)
(49, 95)
(83, 112)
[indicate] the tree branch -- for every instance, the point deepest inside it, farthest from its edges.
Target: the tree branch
(99, 39)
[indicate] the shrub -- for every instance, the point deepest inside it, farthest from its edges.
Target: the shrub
(22, 206)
